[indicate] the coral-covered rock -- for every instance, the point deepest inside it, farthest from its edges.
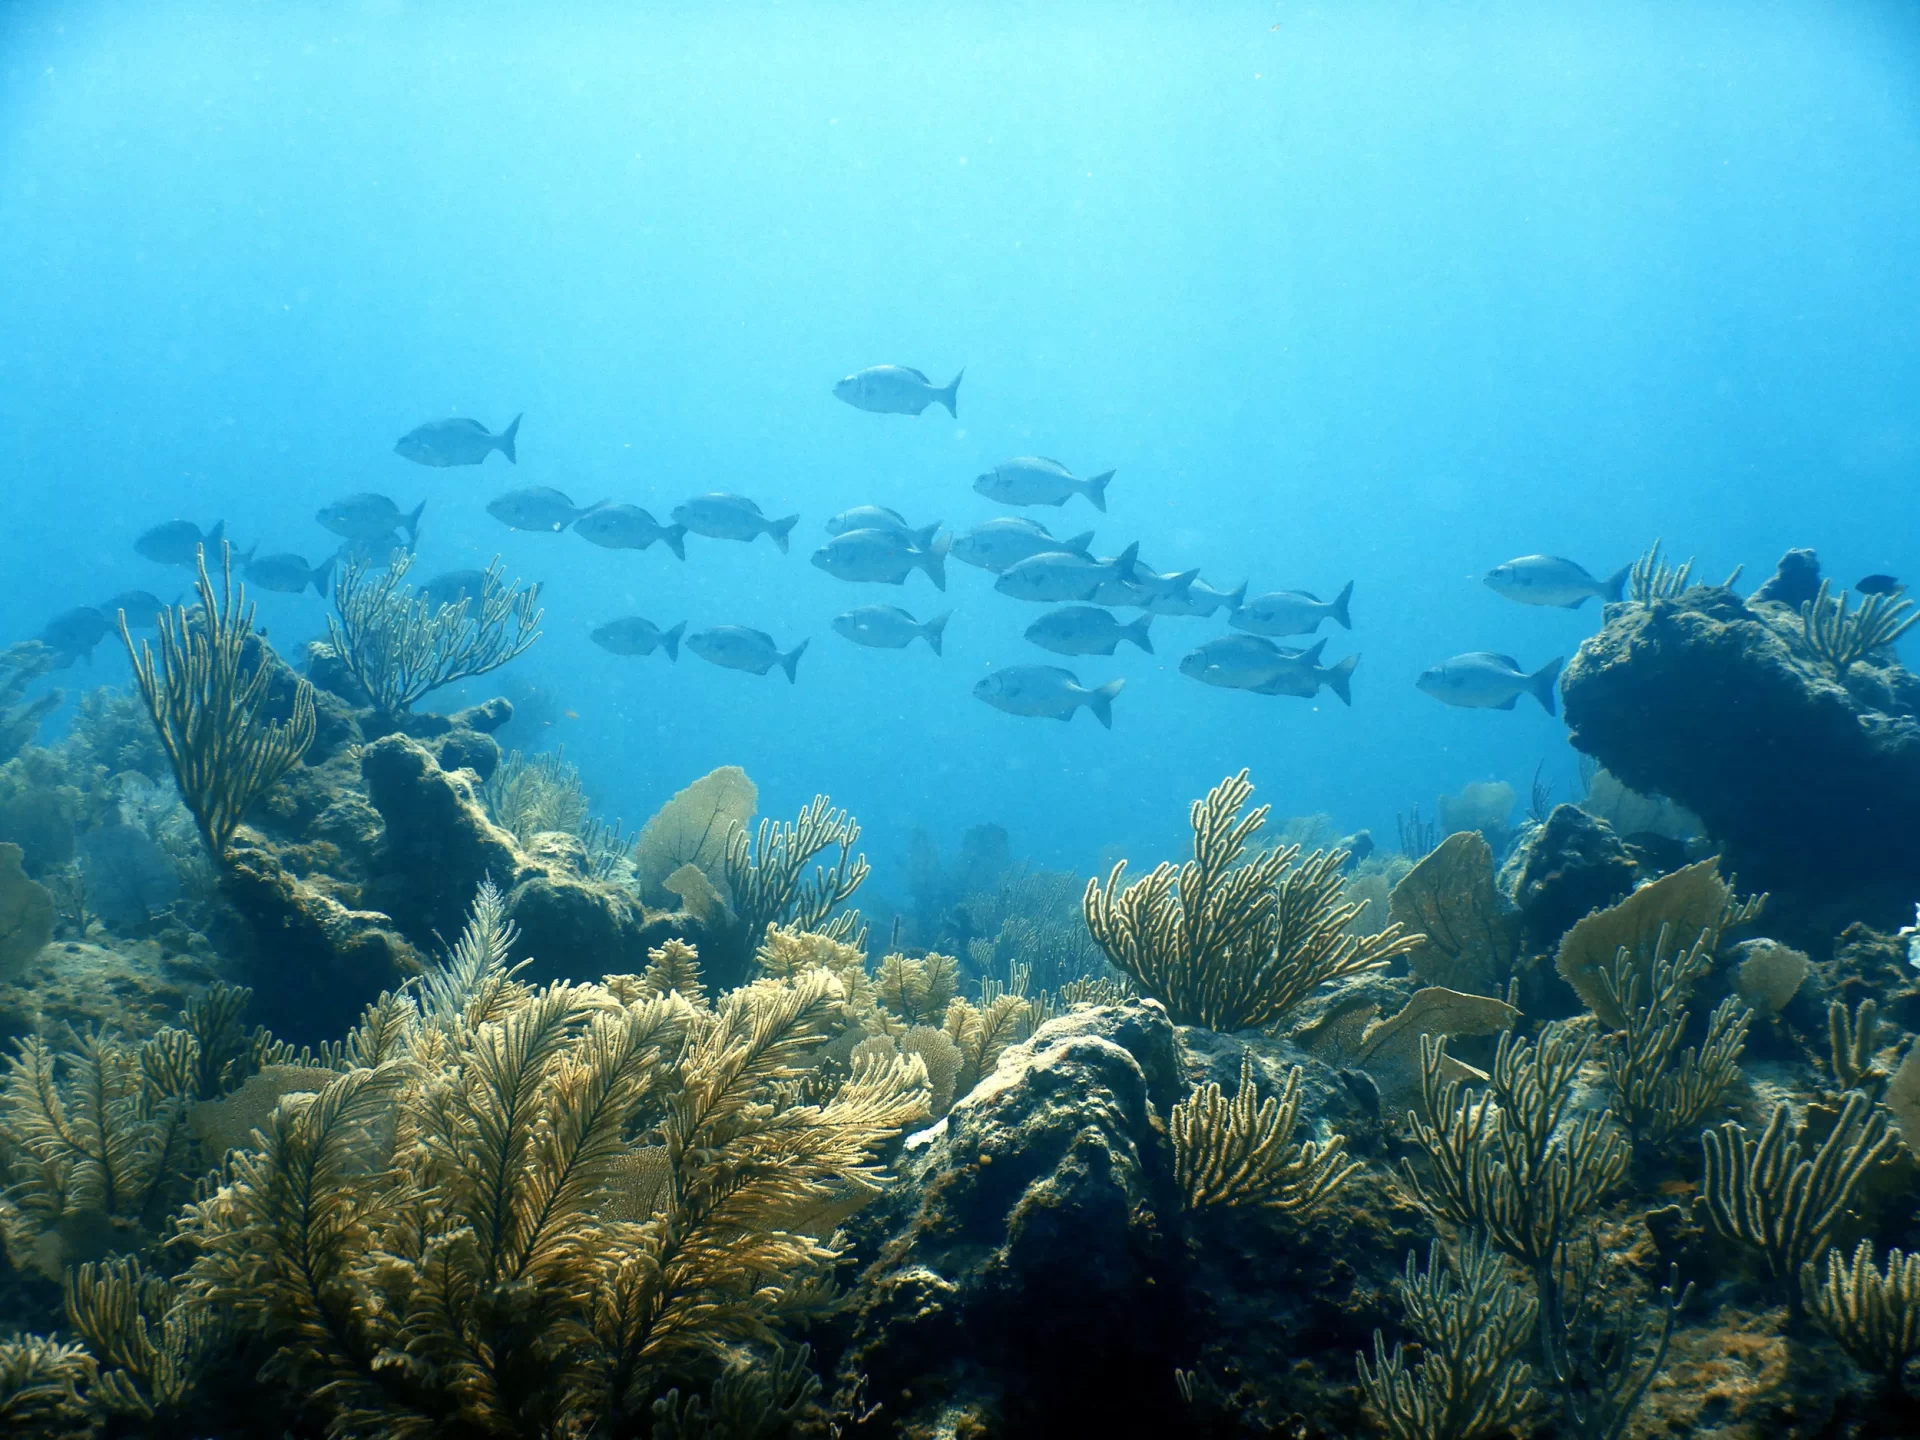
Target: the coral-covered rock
(1809, 783)
(1038, 1273)
(1561, 871)
(438, 844)
(132, 987)
(577, 928)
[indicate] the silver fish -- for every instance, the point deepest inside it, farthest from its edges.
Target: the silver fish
(739, 648)
(1036, 480)
(1087, 630)
(1291, 612)
(888, 627)
(877, 517)
(633, 635)
(1550, 580)
(628, 527)
(1046, 692)
(381, 551)
(175, 542)
(1144, 586)
(1253, 662)
(897, 390)
(720, 516)
(885, 557)
(289, 573)
(73, 633)
(369, 517)
(538, 507)
(142, 608)
(1484, 680)
(997, 544)
(453, 587)
(1199, 601)
(456, 442)
(1064, 575)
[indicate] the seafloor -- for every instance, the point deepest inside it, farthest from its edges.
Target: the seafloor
(363, 1083)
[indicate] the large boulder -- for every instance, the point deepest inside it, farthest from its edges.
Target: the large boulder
(1807, 781)
(1038, 1274)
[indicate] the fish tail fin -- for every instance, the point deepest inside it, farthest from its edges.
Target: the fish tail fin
(934, 629)
(950, 397)
(1312, 656)
(322, 575)
(1340, 603)
(504, 443)
(412, 523)
(1339, 678)
(676, 538)
(213, 536)
(790, 662)
(934, 562)
(1540, 684)
(1079, 544)
(1096, 490)
(670, 640)
(925, 537)
(1179, 587)
(1127, 562)
(780, 529)
(1137, 632)
(1614, 587)
(1100, 701)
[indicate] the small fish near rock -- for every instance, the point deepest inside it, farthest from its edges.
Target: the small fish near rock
(1046, 692)
(999, 544)
(884, 557)
(1291, 612)
(538, 508)
(1484, 680)
(1050, 578)
(1551, 580)
(288, 573)
(442, 443)
(1255, 663)
(72, 634)
(1880, 585)
(635, 635)
(628, 527)
(369, 517)
(1036, 480)
(719, 515)
(141, 607)
(888, 627)
(178, 542)
(897, 390)
(738, 647)
(1087, 630)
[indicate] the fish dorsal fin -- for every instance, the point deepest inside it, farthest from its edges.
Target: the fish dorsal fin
(473, 425)
(919, 375)
(1307, 593)
(1574, 565)
(1506, 660)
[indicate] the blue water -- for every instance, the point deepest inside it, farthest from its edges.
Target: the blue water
(1368, 291)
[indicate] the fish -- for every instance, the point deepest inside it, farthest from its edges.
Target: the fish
(1144, 586)
(177, 542)
(1483, 680)
(1087, 630)
(888, 627)
(875, 517)
(141, 607)
(1199, 601)
(1291, 612)
(1046, 692)
(370, 517)
(1253, 662)
(73, 633)
(720, 516)
(998, 544)
(897, 390)
(1036, 480)
(289, 573)
(381, 551)
(1551, 580)
(632, 635)
(1064, 575)
(883, 556)
(453, 586)
(739, 648)
(628, 527)
(1879, 585)
(539, 508)
(441, 443)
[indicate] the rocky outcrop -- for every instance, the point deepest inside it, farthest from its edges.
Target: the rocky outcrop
(1561, 871)
(1038, 1274)
(1808, 783)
